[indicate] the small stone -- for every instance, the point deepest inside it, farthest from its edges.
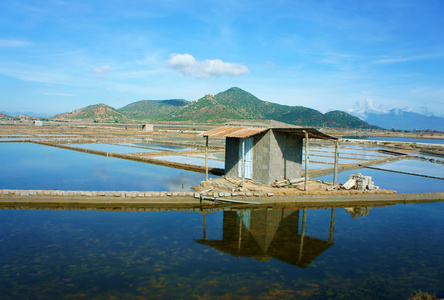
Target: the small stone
(269, 194)
(248, 194)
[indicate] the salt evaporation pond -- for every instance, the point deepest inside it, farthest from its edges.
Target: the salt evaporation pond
(116, 148)
(38, 167)
(372, 253)
(402, 183)
(395, 139)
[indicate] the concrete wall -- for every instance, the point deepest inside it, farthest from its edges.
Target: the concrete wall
(231, 157)
(275, 156)
(286, 156)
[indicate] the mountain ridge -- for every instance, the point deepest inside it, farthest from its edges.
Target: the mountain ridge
(229, 105)
(405, 120)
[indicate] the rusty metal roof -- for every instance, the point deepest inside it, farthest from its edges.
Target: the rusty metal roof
(300, 132)
(244, 132)
(234, 131)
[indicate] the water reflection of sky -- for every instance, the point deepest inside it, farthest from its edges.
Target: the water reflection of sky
(386, 254)
(398, 139)
(159, 146)
(416, 167)
(112, 148)
(200, 161)
(32, 166)
(402, 183)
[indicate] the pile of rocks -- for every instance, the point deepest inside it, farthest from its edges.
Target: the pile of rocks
(359, 182)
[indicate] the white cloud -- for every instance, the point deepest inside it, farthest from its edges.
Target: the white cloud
(188, 65)
(14, 43)
(363, 107)
(101, 70)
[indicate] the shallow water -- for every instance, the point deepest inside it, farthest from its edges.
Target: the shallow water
(200, 161)
(396, 139)
(401, 183)
(33, 166)
(160, 147)
(116, 148)
(385, 253)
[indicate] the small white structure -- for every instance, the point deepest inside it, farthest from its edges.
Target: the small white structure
(148, 127)
(360, 182)
(37, 123)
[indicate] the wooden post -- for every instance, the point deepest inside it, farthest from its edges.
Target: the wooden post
(243, 162)
(206, 158)
(332, 225)
(335, 173)
(301, 246)
(306, 161)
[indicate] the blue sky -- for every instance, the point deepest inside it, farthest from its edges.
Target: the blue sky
(59, 55)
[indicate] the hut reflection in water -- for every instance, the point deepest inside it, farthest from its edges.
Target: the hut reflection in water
(265, 234)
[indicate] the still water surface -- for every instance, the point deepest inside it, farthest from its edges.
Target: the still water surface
(369, 253)
(33, 166)
(380, 252)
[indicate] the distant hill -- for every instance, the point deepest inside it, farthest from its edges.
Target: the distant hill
(230, 105)
(236, 104)
(97, 113)
(152, 110)
(405, 120)
(5, 117)
(27, 113)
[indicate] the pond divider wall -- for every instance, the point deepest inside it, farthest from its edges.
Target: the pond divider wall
(177, 198)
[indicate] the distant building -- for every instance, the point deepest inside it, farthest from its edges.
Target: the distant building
(37, 123)
(148, 127)
(269, 153)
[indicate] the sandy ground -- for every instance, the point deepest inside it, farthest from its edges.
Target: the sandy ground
(315, 187)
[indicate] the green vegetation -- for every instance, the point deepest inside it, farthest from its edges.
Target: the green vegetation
(152, 110)
(96, 113)
(232, 104)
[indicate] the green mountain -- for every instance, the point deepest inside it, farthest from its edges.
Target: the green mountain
(96, 113)
(230, 105)
(236, 104)
(152, 110)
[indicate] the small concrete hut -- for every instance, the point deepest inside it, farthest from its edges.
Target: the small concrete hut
(266, 154)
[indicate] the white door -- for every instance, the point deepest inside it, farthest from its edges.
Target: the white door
(248, 160)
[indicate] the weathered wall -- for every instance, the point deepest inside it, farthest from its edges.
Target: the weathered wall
(231, 157)
(286, 156)
(261, 158)
(275, 156)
